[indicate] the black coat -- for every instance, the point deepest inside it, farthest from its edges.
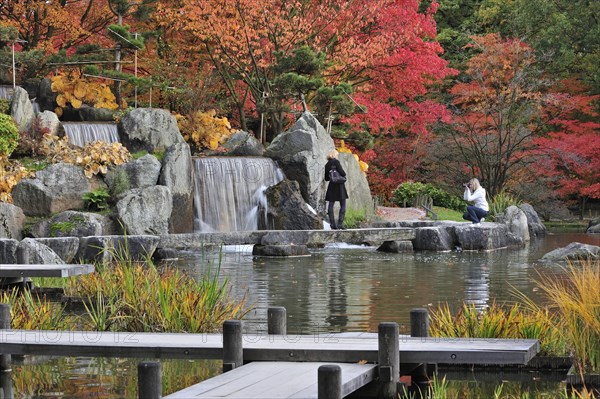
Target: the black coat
(335, 192)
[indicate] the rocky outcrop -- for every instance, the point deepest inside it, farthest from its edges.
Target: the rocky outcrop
(484, 237)
(57, 188)
(573, 251)
(8, 251)
(73, 224)
(243, 144)
(360, 198)
(65, 247)
(139, 173)
(47, 122)
(149, 129)
(107, 248)
(301, 153)
(177, 174)
(21, 110)
(534, 222)
(286, 209)
(435, 238)
(143, 211)
(93, 114)
(12, 219)
(31, 251)
(516, 221)
(593, 226)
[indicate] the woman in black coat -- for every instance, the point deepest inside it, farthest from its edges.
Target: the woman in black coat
(335, 191)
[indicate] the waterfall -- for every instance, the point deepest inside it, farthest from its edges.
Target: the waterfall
(81, 133)
(6, 92)
(229, 193)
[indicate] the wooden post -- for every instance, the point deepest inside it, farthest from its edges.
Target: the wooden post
(419, 322)
(5, 360)
(233, 351)
(389, 360)
(419, 327)
(149, 380)
(6, 386)
(277, 320)
(329, 382)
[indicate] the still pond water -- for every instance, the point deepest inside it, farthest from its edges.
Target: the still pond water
(338, 288)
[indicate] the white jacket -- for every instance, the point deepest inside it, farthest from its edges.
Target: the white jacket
(478, 197)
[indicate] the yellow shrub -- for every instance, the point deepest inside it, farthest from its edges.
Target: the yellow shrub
(11, 172)
(363, 165)
(75, 90)
(205, 129)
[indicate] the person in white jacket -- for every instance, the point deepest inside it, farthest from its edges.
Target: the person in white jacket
(476, 194)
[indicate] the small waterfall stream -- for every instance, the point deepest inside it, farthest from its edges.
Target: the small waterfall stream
(81, 133)
(229, 192)
(6, 92)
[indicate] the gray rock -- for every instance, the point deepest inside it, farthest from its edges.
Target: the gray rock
(573, 251)
(434, 239)
(33, 252)
(47, 122)
(301, 153)
(108, 248)
(140, 173)
(243, 144)
(149, 129)
(8, 251)
(145, 211)
(46, 98)
(287, 210)
(65, 247)
(57, 188)
(93, 114)
(21, 110)
(396, 247)
(280, 250)
(359, 193)
(177, 174)
(534, 222)
(516, 221)
(12, 219)
(593, 226)
(484, 237)
(73, 224)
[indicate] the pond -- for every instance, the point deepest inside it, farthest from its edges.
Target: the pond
(338, 288)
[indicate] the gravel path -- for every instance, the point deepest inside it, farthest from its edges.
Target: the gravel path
(398, 214)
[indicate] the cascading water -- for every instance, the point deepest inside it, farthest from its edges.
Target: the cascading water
(81, 133)
(6, 92)
(229, 192)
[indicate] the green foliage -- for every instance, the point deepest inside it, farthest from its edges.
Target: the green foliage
(406, 192)
(354, 217)
(4, 106)
(121, 35)
(96, 200)
(448, 214)
(332, 100)
(62, 227)
(361, 140)
(501, 201)
(9, 135)
(120, 183)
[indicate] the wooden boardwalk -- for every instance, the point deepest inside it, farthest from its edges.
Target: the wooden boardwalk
(67, 270)
(276, 380)
(344, 347)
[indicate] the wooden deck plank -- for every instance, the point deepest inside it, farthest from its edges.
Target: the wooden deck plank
(275, 380)
(66, 270)
(308, 348)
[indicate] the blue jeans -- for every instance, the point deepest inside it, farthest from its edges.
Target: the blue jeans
(474, 214)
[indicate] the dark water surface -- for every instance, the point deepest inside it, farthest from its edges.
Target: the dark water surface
(338, 288)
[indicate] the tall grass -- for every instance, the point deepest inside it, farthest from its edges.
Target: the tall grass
(576, 301)
(501, 201)
(32, 312)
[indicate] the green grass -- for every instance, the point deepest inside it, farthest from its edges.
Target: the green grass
(448, 214)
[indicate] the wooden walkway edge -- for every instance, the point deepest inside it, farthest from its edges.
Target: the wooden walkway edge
(61, 270)
(344, 347)
(276, 380)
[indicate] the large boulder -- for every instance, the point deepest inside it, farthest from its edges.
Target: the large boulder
(108, 248)
(12, 219)
(57, 188)
(139, 173)
(359, 193)
(485, 237)
(534, 222)
(301, 152)
(73, 224)
(33, 252)
(593, 226)
(574, 251)
(516, 221)
(149, 129)
(65, 247)
(47, 122)
(143, 211)
(21, 110)
(434, 238)
(93, 114)
(177, 174)
(243, 144)
(8, 251)
(286, 209)
(46, 98)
